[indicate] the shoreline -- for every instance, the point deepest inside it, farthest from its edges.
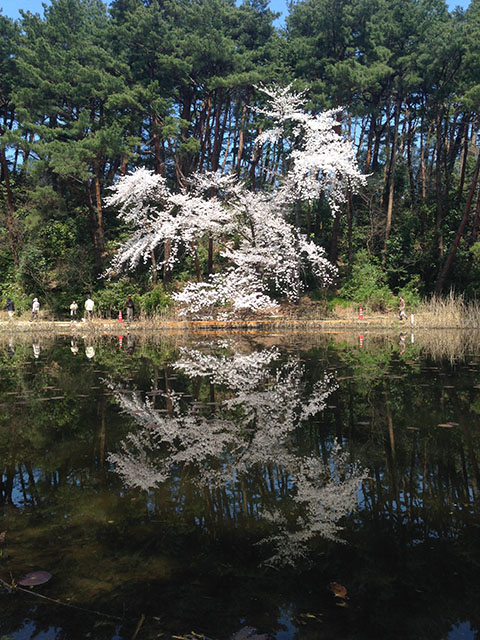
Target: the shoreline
(376, 323)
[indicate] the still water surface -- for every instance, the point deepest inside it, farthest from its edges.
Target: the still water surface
(240, 487)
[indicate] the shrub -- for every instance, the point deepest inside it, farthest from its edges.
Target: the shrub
(158, 300)
(366, 285)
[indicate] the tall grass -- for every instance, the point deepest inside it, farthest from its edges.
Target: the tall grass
(450, 312)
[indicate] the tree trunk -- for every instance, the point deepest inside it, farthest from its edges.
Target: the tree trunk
(10, 206)
(463, 161)
(93, 230)
(448, 263)
(99, 210)
(391, 175)
(438, 187)
(241, 139)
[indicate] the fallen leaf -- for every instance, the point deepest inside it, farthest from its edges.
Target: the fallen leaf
(338, 590)
(33, 578)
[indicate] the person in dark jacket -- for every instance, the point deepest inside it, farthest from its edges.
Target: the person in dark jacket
(130, 309)
(10, 307)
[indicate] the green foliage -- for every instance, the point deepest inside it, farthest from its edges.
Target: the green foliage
(156, 301)
(32, 270)
(15, 291)
(112, 297)
(366, 285)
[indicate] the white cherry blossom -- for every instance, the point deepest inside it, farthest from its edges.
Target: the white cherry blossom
(265, 254)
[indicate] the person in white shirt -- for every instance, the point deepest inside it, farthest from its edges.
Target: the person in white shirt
(35, 309)
(73, 310)
(89, 305)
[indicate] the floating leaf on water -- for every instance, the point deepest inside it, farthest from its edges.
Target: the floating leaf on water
(338, 590)
(303, 618)
(33, 578)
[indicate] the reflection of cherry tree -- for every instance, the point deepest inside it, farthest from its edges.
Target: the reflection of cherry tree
(252, 434)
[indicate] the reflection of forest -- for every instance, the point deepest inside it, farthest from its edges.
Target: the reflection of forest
(240, 454)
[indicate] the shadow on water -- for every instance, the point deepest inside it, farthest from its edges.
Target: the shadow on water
(282, 486)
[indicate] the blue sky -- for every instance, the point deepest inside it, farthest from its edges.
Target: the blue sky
(11, 7)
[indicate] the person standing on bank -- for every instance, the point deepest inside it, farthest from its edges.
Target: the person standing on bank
(401, 311)
(130, 309)
(89, 305)
(10, 307)
(73, 311)
(35, 309)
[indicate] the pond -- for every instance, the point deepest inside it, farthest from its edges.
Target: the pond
(240, 486)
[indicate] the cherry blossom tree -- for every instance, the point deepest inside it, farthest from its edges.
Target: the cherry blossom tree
(265, 254)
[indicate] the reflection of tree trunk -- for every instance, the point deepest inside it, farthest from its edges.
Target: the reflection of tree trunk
(22, 482)
(412, 475)
(31, 482)
(168, 395)
(465, 424)
(473, 458)
(155, 386)
(196, 391)
(8, 485)
(271, 481)
(390, 463)
(211, 512)
(102, 434)
(466, 495)
(391, 432)
(244, 497)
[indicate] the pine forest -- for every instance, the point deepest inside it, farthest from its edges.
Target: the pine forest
(167, 149)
